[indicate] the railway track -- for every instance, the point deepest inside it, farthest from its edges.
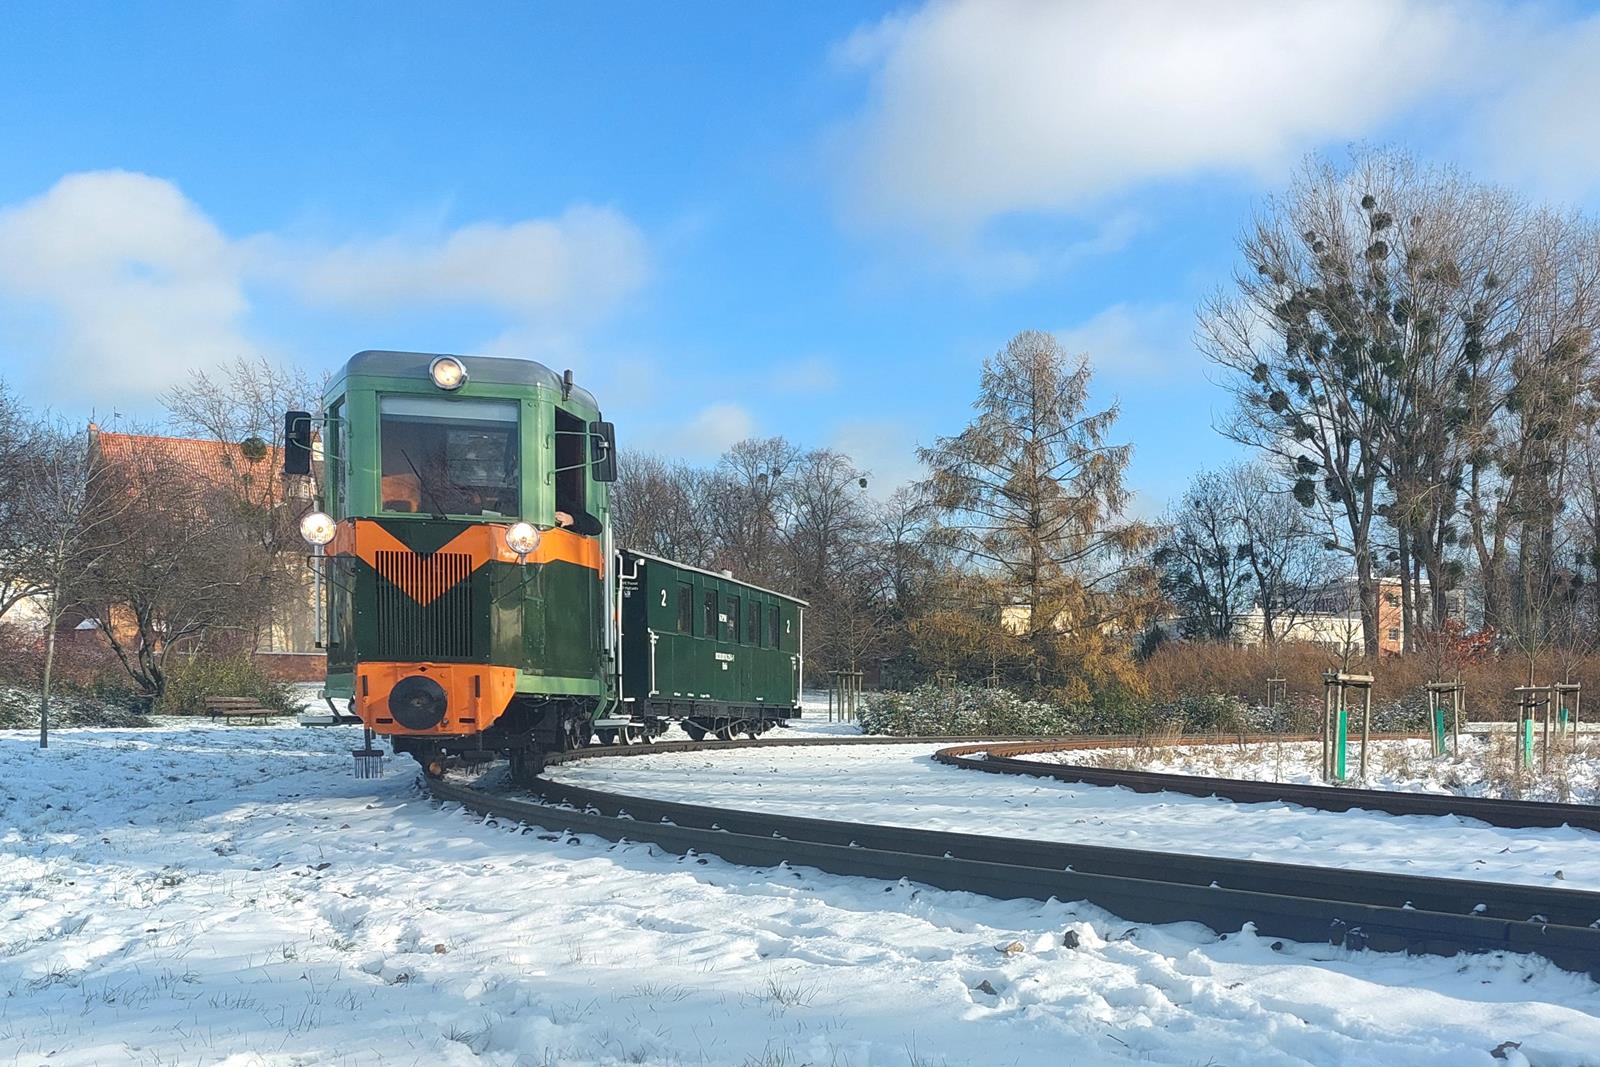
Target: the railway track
(1002, 758)
(1355, 909)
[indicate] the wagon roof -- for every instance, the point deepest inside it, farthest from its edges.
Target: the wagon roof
(719, 575)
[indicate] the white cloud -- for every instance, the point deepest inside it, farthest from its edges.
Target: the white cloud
(978, 108)
(1544, 130)
(139, 285)
(1137, 342)
(584, 260)
(808, 374)
(142, 284)
(712, 430)
(991, 265)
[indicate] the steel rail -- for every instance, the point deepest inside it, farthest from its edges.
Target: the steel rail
(1356, 909)
(1001, 758)
(933, 858)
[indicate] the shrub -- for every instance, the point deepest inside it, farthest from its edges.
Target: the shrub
(190, 681)
(19, 710)
(965, 710)
(84, 666)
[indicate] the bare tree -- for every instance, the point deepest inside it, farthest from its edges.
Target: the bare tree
(1286, 558)
(1203, 560)
(72, 522)
(239, 409)
(664, 509)
(748, 495)
(19, 563)
(181, 570)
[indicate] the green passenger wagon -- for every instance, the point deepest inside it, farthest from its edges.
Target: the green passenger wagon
(724, 656)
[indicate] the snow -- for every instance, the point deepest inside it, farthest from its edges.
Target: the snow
(226, 894)
(1484, 766)
(900, 784)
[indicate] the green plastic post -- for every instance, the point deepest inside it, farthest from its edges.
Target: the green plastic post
(1438, 731)
(1339, 745)
(1527, 742)
(1563, 715)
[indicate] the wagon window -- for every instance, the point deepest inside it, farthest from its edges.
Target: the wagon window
(685, 608)
(772, 626)
(711, 614)
(735, 606)
(755, 624)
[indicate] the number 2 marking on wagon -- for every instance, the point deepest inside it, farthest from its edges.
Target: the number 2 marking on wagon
(663, 598)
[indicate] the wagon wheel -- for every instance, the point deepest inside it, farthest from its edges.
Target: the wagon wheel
(728, 731)
(752, 729)
(630, 734)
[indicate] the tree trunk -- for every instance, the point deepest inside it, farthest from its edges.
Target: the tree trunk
(1407, 590)
(49, 666)
(1367, 592)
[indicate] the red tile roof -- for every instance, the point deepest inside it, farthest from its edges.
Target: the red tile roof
(215, 460)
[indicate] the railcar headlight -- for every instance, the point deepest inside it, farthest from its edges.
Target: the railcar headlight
(448, 372)
(318, 528)
(522, 538)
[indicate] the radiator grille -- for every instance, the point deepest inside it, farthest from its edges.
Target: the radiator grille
(424, 606)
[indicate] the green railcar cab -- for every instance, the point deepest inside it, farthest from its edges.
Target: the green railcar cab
(472, 596)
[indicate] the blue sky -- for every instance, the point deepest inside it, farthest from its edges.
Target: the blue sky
(813, 220)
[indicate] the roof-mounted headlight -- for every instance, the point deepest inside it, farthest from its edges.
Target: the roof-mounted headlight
(522, 538)
(448, 372)
(318, 528)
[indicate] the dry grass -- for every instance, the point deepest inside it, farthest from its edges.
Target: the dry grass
(1490, 765)
(1184, 669)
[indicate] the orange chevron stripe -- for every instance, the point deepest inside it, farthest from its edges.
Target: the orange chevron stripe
(481, 543)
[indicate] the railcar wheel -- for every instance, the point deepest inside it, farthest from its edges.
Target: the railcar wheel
(629, 734)
(728, 731)
(578, 731)
(526, 763)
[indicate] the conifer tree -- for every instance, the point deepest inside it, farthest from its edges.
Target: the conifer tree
(1035, 495)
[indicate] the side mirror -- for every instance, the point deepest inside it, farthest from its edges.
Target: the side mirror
(603, 451)
(297, 442)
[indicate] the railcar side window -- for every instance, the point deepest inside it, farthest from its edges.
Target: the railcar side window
(735, 606)
(772, 626)
(449, 457)
(685, 608)
(711, 614)
(571, 470)
(755, 624)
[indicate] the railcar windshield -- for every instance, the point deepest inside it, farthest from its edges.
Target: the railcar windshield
(449, 457)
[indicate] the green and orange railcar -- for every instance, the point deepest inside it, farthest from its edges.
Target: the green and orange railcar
(473, 600)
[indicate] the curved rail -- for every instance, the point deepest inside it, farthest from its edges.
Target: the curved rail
(1356, 909)
(1001, 758)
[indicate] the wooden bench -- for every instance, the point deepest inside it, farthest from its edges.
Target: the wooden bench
(238, 708)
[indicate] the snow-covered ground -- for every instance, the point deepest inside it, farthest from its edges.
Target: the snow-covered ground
(198, 894)
(1485, 765)
(901, 784)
